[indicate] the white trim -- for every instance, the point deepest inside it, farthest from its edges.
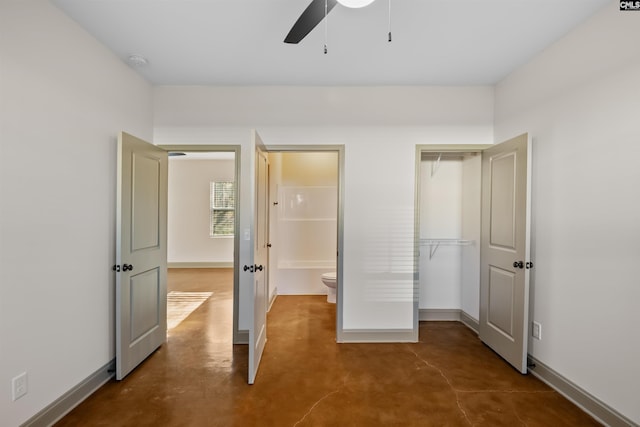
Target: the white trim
(440, 315)
(470, 322)
(581, 398)
(242, 337)
(449, 315)
(72, 398)
(378, 336)
(273, 298)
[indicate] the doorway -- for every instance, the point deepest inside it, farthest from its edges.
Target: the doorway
(487, 240)
(243, 336)
(204, 234)
(306, 221)
(448, 214)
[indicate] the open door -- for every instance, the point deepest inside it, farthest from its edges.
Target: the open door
(505, 263)
(258, 268)
(141, 252)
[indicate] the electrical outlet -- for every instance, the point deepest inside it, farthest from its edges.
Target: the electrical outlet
(19, 386)
(536, 330)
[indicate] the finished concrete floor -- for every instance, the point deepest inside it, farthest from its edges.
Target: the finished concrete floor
(198, 378)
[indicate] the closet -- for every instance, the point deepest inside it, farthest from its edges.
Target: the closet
(449, 215)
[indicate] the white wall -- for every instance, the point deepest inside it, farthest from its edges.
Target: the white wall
(63, 99)
(580, 101)
(440, 218)
(379, 127)
(188, 212)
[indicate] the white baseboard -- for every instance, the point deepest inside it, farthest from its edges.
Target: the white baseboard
(590, 404)
(200, 264)
(273, 299)
(65, 403)
(439, 315)
(242, 337)
(377, 336)
(470, 322)
(448, 315)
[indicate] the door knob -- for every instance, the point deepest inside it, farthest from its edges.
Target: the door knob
(127, 267)
(518, 264)
(252, 268)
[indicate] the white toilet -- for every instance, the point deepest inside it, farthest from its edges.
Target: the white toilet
(329, 279)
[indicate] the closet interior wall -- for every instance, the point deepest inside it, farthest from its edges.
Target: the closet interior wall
(450, 232)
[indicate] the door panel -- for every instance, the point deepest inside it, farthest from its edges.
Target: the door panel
(501, 291)
(141, 252)
(503, 207)
(144, 297)
(145, 202)
(258, 325)
(504, 286)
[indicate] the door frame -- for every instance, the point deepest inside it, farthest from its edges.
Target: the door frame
(434, 148)
(239, 337)
(340, 150)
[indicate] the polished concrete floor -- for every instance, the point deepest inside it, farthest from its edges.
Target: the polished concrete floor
(198, 378)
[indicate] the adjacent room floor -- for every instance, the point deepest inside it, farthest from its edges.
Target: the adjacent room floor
(198, 378)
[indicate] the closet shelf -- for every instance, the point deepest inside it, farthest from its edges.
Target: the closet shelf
(434, 244)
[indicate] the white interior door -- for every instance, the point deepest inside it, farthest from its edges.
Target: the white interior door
(141, 252)
(258, 325)
(504, 269)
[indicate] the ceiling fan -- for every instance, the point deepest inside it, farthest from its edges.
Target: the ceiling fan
(314, 14)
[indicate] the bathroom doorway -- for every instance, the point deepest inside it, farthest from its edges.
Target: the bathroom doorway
(305, 221)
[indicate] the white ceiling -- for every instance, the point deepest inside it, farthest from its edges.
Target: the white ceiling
(239, 42)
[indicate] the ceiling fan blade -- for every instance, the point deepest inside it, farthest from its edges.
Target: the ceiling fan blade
(312, 16)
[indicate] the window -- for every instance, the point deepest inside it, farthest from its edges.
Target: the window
(222, 211)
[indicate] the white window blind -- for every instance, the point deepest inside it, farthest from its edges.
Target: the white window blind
(222, 211)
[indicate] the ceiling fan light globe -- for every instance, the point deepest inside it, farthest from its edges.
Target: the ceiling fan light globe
(355, 3)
